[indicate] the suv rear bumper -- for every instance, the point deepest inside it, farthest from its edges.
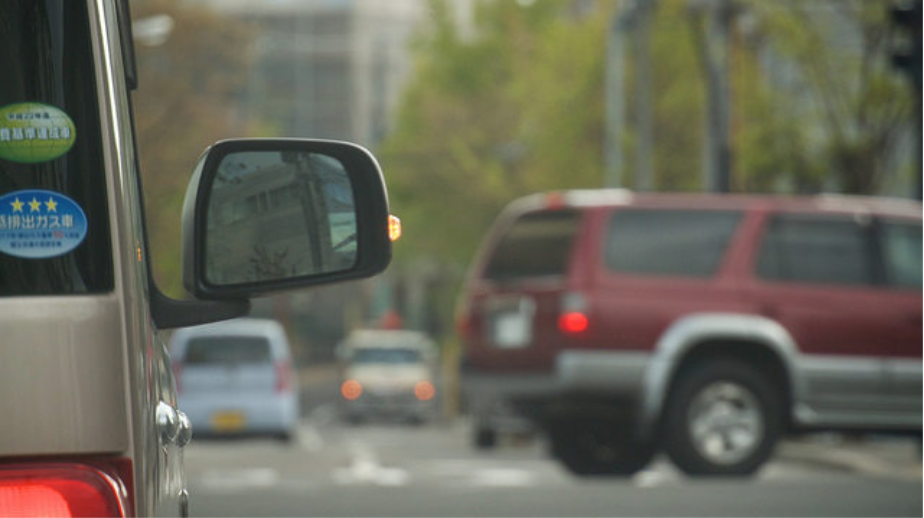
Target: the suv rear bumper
(578, 376)
(607, 372)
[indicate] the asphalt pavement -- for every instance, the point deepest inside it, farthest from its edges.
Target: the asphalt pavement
(878, 455)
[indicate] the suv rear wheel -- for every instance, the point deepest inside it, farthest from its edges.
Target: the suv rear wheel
(485, 437)
(597, 447)
(723, 418)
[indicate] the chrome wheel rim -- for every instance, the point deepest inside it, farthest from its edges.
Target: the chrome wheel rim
(725, 422)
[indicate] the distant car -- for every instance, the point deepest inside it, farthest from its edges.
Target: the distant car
(387, 374)
(706, 325)
(236, 378)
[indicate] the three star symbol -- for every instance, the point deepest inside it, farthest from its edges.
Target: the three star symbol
(35, 206)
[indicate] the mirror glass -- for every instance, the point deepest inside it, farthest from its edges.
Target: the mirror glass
(275, 215)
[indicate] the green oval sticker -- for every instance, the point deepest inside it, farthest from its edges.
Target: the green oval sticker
(34, 132)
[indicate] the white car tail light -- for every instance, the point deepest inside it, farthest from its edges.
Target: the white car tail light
(283, 376)
(424, 390)
(351, 390)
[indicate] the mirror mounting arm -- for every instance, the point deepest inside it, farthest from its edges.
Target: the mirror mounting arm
(170, 313)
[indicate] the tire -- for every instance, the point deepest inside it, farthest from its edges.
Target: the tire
(595, 447)
(485, 438)
(723, 418)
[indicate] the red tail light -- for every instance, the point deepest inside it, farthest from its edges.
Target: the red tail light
(573, 318)
(64, 489)
(573, 323)
(283, 377)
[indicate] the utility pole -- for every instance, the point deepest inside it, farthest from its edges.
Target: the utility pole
(634, 16)
(714, 58)
(644, 127)
(615, 97)
(906, 57)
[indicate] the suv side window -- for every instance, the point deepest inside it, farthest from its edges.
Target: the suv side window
(54, 217)
(537, 244)
(687, 243)
(901, 247)
(825, 250)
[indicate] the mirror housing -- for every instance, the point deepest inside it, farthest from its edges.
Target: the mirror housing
(264, 215)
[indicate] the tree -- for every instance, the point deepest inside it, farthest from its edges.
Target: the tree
(483, 119)
(841, 85)
(187, 87)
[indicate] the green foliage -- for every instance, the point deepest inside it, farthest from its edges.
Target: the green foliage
(841, 87)
(512, 108)
(186, 88)
(515, 105)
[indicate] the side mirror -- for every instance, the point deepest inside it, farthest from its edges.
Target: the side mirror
(263, 215)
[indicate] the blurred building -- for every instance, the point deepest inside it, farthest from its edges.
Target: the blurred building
(326, 68)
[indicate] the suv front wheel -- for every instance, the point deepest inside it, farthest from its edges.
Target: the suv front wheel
(723, 418)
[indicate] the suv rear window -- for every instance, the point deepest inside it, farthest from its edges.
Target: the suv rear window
(231, 350)
(825, 250)
(54, 221)
(686, 243)
(537, 244)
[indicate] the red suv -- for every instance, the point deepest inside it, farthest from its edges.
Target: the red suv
(703, 325)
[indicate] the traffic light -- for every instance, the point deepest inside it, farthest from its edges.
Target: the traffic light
(906, 56)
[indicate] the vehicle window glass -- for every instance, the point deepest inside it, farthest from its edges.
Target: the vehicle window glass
(228, 350)
(902, 252)
(390, 356)
(54, 230)
(823, 250)
(687, 243)
(537, 244)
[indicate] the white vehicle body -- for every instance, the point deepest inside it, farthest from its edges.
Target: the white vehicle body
(388, 374)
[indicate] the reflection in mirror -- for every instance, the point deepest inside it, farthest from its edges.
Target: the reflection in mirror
(273, 215)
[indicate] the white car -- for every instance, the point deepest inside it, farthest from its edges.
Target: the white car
(236, 377)
(387, 374)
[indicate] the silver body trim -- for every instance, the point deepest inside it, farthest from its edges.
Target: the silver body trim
(827, 391)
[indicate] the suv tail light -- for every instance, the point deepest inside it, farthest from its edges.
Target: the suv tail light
(573, 319)
(64, 489)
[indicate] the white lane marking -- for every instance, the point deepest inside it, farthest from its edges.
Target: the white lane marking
(502, 477)
(239, 478)
(366, 469)
(653, 477)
